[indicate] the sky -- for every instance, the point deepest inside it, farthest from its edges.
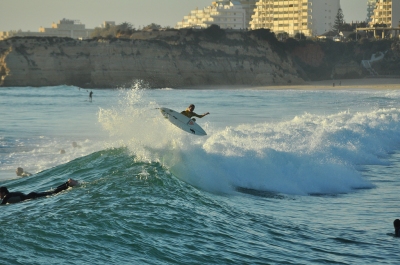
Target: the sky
(30, 15)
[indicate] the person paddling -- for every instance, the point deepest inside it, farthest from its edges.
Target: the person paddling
(14, 197)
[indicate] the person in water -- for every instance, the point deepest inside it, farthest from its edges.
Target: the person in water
(396, 225)
(189, 112)
(21, 173)
(14, 197)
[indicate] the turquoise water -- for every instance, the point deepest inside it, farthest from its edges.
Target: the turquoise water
(283, 177)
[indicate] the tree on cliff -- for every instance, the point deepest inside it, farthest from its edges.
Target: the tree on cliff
(125, 29)
(282, 36)
(111, 31)
(214, 33)
(300, 36)
(152, 26)
(339, 21)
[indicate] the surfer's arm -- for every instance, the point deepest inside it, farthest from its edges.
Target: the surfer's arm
(193, 114)
(201, 116)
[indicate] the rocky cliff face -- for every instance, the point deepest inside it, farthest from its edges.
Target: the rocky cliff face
(181, 60)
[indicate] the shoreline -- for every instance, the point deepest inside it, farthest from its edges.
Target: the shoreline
(343, 84)
(340, 84)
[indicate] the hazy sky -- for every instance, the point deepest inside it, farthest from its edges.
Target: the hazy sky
(32, 14)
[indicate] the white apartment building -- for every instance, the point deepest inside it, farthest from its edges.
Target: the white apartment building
(249, 6)
(226, 14)
(386, 12)
(370, 9)
(309, 17)
(67, 28)
(64, 28)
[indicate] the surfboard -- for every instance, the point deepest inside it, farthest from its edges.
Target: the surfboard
(182, 122)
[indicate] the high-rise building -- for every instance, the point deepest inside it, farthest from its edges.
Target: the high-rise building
(370, 9)
(226, 14)
(308, 17)
(248, 6)
(386, 12)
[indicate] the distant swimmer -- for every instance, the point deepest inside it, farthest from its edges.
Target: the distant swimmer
(90, 95)
(21, 173)
(14, 197)
(396, 225)
(75, 145)
(189, 112)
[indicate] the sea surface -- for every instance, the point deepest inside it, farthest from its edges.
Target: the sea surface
(283, 177)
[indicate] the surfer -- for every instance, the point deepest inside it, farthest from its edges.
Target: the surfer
(75, 145)
(13, 197)
(189, 112)
(396, 225)
(21, 173)
(90, 95)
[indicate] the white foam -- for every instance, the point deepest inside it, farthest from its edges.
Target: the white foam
(307, 154)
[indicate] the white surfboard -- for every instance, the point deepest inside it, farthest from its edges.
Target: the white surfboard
(182, 122)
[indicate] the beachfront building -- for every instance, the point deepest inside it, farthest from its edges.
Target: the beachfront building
(226, 14)
(386, 12)
(67, 28)
(249, 6)
(387, 15)
(370, 9)
(385, 19)
(308, 17)
(64, 28)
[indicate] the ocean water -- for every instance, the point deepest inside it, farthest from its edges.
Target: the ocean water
(283, 177)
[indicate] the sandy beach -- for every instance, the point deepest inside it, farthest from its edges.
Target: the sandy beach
(365, 83)
(344, 84)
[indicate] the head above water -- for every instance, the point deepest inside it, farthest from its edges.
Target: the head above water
(19, 171)
(3, 191)
(396, 223)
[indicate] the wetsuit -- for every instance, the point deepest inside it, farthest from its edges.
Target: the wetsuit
(397, 232)
(190, 114)
(13, 197)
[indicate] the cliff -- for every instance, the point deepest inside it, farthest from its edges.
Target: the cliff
(323, 60)
(178, 59)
